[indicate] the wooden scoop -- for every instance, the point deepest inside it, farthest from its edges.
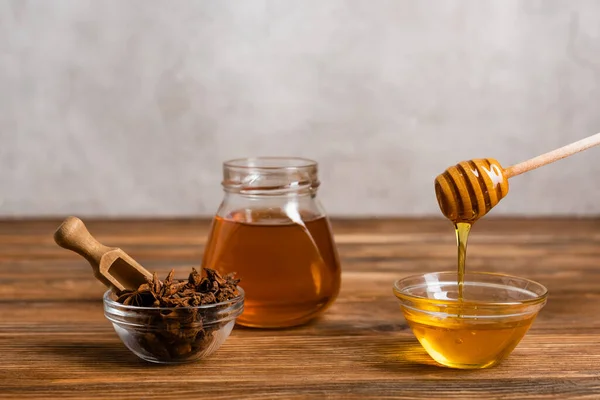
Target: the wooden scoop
(470, 189)
(111, 265)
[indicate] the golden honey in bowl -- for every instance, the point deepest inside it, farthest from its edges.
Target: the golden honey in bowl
(478, 331)
(462, 343)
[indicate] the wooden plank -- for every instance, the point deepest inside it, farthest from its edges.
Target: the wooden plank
(56, 343)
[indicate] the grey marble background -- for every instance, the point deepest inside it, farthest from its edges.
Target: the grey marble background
(128, 108)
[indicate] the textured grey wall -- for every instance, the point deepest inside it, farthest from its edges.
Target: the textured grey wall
(129, 107)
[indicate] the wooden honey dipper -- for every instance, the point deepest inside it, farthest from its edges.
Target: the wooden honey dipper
(111, 265)
(470, 189)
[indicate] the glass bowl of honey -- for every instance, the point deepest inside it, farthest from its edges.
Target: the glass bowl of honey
(478, 329)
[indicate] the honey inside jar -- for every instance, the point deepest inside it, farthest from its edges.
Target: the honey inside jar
(273, 232)
(290, 272)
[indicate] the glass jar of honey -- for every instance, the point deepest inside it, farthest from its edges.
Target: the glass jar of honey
(271, 230)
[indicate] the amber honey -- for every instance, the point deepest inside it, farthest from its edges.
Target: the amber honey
(462, 235)
(478, 327)
(467, 342)
(290, 271)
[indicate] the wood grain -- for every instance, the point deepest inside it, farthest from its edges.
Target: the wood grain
(55, 342)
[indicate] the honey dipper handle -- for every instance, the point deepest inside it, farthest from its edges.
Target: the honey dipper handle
(552, 156)
(73, 235)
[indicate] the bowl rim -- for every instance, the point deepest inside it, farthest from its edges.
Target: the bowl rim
(398, 292)
(231, 302)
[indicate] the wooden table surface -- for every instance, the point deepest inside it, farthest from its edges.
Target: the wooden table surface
(56, 343)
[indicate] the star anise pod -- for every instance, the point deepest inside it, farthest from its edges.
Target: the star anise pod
(183, 329)
(196, 290)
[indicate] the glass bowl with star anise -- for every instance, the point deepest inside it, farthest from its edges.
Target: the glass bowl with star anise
(173, 322)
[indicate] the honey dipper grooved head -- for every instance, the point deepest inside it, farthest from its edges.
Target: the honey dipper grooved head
(469, 190)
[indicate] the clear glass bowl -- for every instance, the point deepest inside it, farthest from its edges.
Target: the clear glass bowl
(481, 330)
(170, 335)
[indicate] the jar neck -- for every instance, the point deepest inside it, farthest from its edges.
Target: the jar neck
(252, 207)
(271, 176)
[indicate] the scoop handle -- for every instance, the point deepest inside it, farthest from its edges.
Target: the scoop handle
(73, 235)
(552, 156)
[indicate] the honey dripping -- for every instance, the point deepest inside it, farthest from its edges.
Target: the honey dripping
(290, 272)
(462, 230)
(465, 193)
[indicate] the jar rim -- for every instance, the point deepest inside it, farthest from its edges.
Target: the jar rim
(270, 163)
